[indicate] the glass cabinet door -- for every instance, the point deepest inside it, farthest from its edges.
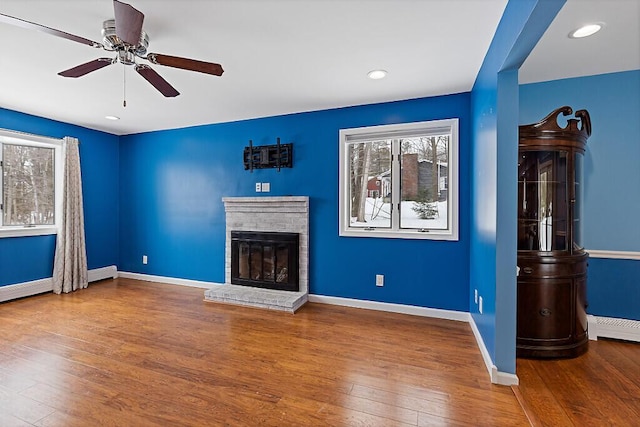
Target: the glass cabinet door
(542, 201)
(578, 186)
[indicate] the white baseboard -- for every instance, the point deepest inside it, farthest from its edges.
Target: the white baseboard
(167, 280)
(497, 377)
(34, 287)
(611, 327)
(460, 316)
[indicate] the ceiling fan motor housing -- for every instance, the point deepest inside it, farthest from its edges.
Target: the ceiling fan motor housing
(126, 52)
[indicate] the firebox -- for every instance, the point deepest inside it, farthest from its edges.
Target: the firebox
(265, 260)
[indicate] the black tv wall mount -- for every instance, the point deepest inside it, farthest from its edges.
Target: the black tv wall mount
(268, 156)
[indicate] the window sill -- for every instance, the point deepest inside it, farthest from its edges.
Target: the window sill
(405, 234)
(27, 231)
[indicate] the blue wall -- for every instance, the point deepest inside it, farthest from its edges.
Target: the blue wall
(172, 183)
(23, 259)
(611, 177)
(494, 106)
(613, 289)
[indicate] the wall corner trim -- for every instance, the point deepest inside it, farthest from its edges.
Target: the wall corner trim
(497, 377)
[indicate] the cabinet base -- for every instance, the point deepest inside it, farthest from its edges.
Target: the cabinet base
(552, 352)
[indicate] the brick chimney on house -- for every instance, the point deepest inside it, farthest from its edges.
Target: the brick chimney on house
(409, 176)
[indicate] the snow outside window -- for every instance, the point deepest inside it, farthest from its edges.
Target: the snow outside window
(30, 184)
(400, 181)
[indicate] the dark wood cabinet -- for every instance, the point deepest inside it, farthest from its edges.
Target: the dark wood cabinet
(552, 279)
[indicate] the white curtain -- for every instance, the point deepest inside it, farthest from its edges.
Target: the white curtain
(70, 264)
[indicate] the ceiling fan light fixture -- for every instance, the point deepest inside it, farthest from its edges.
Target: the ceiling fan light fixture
(377, 74)
(586, 30)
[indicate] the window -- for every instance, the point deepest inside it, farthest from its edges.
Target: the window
(400, 181)
(30, 184)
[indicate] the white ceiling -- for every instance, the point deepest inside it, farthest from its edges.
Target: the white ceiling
(279, 56)
(615, 48)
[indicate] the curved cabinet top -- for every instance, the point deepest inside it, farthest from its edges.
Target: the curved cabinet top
(547, 134)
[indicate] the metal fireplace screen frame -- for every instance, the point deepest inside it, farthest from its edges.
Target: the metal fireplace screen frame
(265, 259)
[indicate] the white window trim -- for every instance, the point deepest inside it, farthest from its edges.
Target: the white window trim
(399, 129)
(19, 138)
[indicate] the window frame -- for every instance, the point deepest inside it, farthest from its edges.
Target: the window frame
(402, 130)
(20, 138)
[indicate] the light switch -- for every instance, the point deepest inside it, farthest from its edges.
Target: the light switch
(266, 187)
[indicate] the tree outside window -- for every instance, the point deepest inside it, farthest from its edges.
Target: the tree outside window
(28, 185)
(31, 181)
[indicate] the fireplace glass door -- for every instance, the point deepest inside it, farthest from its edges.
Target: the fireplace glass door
(265, 259)
(263, 262)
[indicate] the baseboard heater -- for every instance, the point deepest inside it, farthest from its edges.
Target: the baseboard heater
(34, 287)
(612, 327)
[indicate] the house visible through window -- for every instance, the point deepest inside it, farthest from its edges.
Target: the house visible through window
(30, 184)
(400, 180)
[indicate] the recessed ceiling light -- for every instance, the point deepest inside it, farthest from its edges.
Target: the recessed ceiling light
(377, 74)
(112, 117)
(586, 31)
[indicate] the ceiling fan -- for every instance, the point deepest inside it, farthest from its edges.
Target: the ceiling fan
(124, 36)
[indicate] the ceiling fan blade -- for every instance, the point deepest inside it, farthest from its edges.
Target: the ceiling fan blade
(186, 64)
(33, 26)
(87, 67)
(128, 22)
(156, 81)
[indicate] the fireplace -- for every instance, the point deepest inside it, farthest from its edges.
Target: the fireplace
(265, 260)
(271, 216)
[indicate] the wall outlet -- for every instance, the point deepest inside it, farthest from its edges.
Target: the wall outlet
(480, 304)
(379, 280)
(475, 296)
(266, 187)
(258, 187)
(144, 259)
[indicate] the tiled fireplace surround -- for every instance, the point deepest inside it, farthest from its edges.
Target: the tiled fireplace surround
(281, 214)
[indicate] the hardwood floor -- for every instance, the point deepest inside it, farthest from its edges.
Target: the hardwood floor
(130, 353)
(599, 388)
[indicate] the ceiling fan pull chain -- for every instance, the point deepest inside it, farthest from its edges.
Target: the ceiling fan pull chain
(124, 86)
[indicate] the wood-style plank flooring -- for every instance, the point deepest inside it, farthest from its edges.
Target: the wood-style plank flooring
(131, 353)
(599, 388)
